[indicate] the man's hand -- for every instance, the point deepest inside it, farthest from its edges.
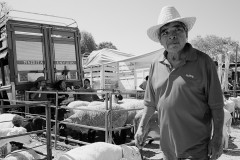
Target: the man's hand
(139, 138)
(215, 147)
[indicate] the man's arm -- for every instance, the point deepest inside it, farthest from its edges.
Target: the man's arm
(215, 146)
(147, 114)
(139, 136)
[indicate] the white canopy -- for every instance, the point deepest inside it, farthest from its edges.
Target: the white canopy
(105, 55)
(144, 60)
(109, 68)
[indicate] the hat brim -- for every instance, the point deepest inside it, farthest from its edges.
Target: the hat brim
(152, 32)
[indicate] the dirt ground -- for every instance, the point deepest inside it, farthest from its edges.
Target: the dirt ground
(152, 152)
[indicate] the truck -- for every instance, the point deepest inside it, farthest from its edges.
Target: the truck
(30, 48)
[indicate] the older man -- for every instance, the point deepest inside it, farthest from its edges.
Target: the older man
(184, 87)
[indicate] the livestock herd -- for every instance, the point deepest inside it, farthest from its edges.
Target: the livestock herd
(128, 112)
(93, 114)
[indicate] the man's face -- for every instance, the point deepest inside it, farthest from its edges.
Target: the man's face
(63, 85)
(173, 36)
(42, 84)
(86, 84)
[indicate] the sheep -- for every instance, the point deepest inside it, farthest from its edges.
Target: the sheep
(229, 105)
(226, 128)
(23, 155)
(4, 143)
(72, 106)
(102, 151)
(129, 104)
(14, 131)
(132, 104)
(6, 120)
(236, 112)
(152, 129)
(96, 118)
(124, 104)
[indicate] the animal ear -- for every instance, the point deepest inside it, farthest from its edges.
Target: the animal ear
(120, 97)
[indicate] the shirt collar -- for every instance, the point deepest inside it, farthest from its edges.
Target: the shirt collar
(188, 53)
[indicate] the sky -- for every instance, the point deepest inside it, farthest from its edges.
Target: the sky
(125, 22)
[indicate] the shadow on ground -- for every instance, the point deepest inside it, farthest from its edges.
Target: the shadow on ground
(147, 153)
(233, 149)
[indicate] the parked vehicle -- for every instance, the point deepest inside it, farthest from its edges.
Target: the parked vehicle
(32, 48)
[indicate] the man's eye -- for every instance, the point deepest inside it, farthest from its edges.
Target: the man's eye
(164, 33)
(180, 29)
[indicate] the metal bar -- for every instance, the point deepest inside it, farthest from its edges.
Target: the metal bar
(110, 119)
(236, 76)
(56, 121)
(48, 124)
(84, 126)
(73, 21)
(106, 118)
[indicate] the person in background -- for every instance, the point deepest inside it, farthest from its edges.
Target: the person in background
(144, 83)
(87, 88)
(184, 88)
(61, 86)
(40, 85)
(87, 84)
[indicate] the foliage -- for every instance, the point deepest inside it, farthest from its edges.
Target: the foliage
(87, 43)
(214, 45)
(4, 9)
(106, 45)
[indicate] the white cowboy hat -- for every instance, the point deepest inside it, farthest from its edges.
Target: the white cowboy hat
(169, 14)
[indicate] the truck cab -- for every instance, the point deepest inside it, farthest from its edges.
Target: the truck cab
(30, 49)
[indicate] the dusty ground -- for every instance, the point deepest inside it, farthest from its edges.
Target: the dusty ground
(151, 152)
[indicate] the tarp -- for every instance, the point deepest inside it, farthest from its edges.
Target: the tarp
(143, 60)
(131, 69)
(105, 55)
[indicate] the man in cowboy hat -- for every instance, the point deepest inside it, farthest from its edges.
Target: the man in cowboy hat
(183, 86)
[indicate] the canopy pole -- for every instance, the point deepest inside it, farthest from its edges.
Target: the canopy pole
(236, 76)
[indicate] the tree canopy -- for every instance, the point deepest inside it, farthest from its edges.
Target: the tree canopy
(106, 45)
(87, 42)
(4, 9)
(214, 45)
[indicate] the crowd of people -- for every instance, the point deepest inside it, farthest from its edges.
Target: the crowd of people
(61, 86)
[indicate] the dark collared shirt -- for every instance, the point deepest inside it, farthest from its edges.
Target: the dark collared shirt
(184, 97)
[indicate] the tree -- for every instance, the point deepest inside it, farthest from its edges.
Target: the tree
(4, 10)
(214, 45)
(87, 43)
(106, 45)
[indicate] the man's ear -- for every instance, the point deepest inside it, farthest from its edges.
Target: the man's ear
(160, 40)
